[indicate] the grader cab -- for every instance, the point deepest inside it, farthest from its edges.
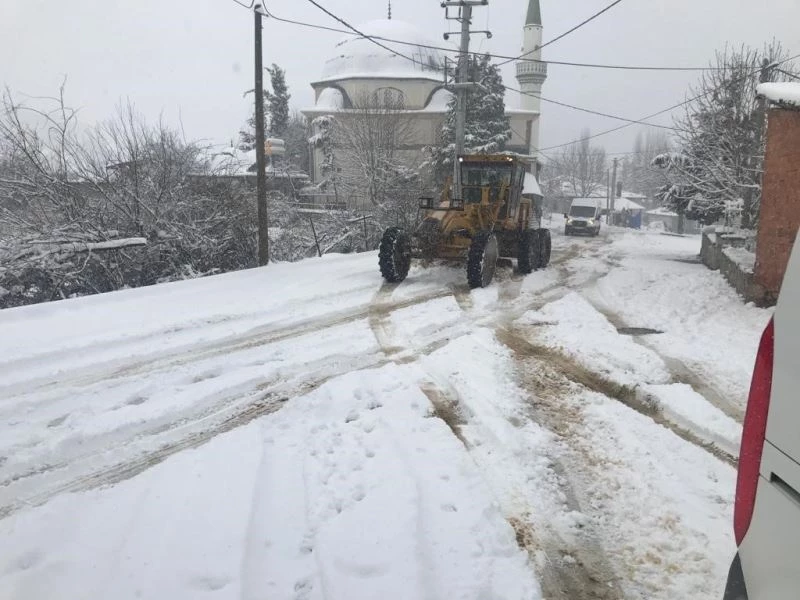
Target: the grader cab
(492, 219)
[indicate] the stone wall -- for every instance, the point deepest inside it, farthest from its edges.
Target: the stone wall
(741, 278)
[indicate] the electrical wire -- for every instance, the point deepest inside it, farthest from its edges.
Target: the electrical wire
(565, 34)
(661, 112)
(587, 110)
(544, 99)
(628, 123)
(272, 15)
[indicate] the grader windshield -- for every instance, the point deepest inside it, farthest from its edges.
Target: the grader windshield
(487, 178)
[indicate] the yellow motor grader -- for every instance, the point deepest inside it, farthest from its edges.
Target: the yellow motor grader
(492, 219)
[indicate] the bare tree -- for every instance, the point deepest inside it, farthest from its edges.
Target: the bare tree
(370, 140)
(638, 174)
(581, 166)
(98, 209)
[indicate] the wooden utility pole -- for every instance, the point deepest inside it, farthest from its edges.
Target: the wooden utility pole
(261, 149)
(462, 83)
(613, 190)
(461, 97)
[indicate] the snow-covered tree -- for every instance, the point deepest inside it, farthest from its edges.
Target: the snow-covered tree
(277, 102)
(487, 128)
(276, 113)
(323, 128)
(721, 136)
(296, 138)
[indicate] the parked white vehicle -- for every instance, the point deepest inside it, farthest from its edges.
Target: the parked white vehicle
(583, 217)
(767, 512)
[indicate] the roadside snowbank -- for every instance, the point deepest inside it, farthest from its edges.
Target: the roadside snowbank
(575, 328)
(705, 323)
(685, 407)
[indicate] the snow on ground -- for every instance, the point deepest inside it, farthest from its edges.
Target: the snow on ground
(574, 327)
(706, 326)
(352, 491)
(665, 525)
(685, 407)
(303, 431)
(742, 257)
(48, 340)
(671, 521)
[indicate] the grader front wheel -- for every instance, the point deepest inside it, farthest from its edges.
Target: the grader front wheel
(482, 259)
(394, 256)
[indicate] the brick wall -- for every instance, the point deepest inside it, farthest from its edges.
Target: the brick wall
(780, 200)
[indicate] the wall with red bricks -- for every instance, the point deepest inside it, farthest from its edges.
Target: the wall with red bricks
(780, 199)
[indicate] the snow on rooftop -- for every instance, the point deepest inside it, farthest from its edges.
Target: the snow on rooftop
(785, 93)
(331, 99)
(589, 201)
(531, 186)
(662, 212)
(622, 203)
(357, 56)
(439, 101)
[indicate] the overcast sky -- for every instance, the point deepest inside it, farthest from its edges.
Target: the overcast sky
(191, 61)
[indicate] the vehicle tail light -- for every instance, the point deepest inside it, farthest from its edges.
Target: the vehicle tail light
(753, 434)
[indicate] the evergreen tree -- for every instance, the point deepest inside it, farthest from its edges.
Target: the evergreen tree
(276, 113)
(487, 128)
(297, 146)
(278, 102)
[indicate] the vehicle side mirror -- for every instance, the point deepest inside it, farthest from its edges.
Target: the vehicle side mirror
(566, 216)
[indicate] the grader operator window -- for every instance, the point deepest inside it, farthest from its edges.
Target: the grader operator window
(477, 177)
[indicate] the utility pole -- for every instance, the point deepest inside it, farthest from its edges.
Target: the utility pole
(613, 190)
(261, 148)
(461, 83)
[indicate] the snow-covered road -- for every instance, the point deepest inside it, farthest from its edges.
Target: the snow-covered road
(305, 431)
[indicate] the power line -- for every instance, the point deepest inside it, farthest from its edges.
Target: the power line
(661, 112)
(566, 33)
(374, 39)
(628, 123)
(587, 110)
(491, 55)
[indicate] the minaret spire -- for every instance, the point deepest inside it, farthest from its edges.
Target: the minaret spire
(534, 13)
(532, 71)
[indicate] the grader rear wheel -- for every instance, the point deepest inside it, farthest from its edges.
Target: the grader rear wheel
(482, 259)
(546, 248)
(529, 245)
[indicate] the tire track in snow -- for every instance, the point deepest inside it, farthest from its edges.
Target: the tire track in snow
(190, 353)
(568, 570)
(258, 403)
(588, 575)
(80, 471)
(681, 373)
(577, 373)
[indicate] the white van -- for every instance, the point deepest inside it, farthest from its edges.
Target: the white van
(583, 217)
(766, 520)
